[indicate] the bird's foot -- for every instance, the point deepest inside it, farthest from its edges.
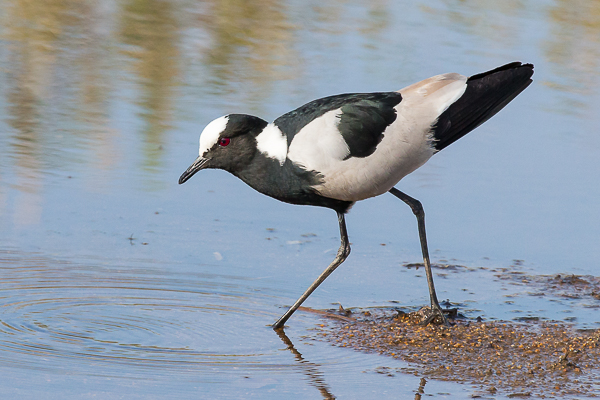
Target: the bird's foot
(435, 315)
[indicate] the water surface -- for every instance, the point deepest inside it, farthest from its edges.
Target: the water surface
(117, 282)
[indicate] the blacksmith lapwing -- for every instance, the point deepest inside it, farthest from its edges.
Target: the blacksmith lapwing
(335, 151)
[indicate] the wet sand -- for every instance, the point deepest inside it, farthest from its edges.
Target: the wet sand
(523, 358)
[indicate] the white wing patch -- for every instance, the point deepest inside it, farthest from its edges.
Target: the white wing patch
(436, 93)
(272, 143)
(448, 94)
(319, 145)
(211, 133)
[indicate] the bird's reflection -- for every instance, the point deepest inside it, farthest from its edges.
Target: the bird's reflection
(309, 369)
(421, 389)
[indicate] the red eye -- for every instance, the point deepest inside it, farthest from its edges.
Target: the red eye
(224, 141)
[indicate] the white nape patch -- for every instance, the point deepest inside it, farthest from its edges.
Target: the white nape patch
(272, 143)
(211, 133)
(319, 145)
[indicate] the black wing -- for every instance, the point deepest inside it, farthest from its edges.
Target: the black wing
(364, 117)
(486, 94)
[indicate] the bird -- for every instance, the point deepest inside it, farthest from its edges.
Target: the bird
(337, 150)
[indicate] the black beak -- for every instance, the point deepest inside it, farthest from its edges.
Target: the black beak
(195, 167)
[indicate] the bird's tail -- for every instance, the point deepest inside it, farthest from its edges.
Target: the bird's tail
(485, 95)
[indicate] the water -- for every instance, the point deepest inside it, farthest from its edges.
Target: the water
(119, 283)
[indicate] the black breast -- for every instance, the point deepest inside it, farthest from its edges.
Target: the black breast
(288, 183)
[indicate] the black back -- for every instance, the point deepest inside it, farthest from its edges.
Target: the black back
(364, 117)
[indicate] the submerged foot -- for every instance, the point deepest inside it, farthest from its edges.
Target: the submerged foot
(435, 315)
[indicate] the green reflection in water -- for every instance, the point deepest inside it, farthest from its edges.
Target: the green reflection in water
(68, 64)
(498, 23)
(573, 49)
(57, 88)
(250, 43)
(32, 31)
(150, 29)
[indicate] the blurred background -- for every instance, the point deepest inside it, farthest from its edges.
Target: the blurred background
(116, 281)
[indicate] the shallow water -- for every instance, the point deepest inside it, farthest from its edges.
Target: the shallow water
(117, 282)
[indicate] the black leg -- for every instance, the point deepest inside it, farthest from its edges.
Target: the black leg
(342, 254)
(417, 209)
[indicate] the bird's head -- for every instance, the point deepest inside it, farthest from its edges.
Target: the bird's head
(227, 143)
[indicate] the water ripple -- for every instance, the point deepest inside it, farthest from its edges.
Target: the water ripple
(98, 320)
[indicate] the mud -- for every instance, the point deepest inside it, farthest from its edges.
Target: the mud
(568, 286)
(542, 359)
(527, 357)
